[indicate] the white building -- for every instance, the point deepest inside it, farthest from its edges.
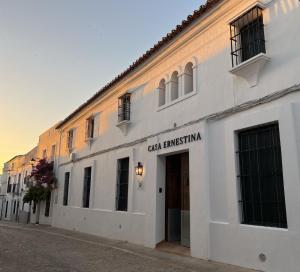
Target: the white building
(47, 148)
(15, 176)
(210, 114)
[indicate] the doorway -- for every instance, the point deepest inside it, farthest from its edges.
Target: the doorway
(177, 205)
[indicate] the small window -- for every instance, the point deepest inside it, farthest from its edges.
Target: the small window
(70, 138)
(162, 93)
(53, 149)
(90, 127)
(261, 179)
(174, 86)
(6, 207)
(66, 188)
(47, 207)
(124, 108)
(44, 154)
(9, 185)
(86, 187)
(188, 78)
(247, 36)
(122, 184)
(14, 210)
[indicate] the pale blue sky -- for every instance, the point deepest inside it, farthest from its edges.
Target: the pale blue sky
(56, 54)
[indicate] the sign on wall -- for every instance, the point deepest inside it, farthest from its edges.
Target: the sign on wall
(175, 142)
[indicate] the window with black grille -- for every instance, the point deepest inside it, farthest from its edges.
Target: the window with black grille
(122, 184)
(70, 139)
(66, 188)
(9, 185)
(86, 187)
(124, 108)
(247, 36)
(47, 206)
(261, 181)
(90, 127)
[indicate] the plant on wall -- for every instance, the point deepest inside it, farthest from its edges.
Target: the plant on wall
(42, 182)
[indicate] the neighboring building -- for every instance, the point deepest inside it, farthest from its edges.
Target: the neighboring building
(13, 199)
(14, 184)
(195, 144)
(48, 147)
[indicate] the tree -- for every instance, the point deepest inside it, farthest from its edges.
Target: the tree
(42, 182)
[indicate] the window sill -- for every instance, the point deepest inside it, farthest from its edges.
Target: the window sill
(177, 100)
(258, 227)
(123, 126)
(251, 68)
(89, 141)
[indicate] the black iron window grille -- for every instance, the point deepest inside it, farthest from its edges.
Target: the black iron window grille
(86, 187)
(48, 202)
(262, 197)
(247, 36)
(122, 184)
(90, 127)
(70, 137)
(66, 189)
(9, 185)
(124, 108)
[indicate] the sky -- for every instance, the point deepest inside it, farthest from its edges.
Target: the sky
(56, 54)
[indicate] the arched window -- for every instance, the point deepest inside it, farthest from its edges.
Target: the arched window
(162, 93)
(174, 86)
(188, 78)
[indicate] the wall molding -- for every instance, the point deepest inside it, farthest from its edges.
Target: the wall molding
(209, 118)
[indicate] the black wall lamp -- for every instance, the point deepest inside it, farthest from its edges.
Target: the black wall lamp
(139, 169)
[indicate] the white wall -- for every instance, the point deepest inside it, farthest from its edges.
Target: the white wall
(216, 232)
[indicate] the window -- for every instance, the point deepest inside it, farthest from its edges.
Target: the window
(44, 153)
(6, 207)
(247, 36)
(261, 180)
(86, 187)
(188, 78)
(124, 108)
(9, 185)
(122, 184)
(14, 211)
(90, 127)
(66, 188)
(19, 184)
(47, 207)
(174, 86)
(162, 93)
(70, 137)
(53, 148)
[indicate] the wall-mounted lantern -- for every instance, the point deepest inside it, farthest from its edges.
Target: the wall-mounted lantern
(139, 169)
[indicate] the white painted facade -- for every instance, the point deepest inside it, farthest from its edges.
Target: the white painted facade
(15, 172)
(218, 102)
(216, 231)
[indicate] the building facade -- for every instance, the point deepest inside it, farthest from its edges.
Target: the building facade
(47, 148)
(14, 184)
(196, 143)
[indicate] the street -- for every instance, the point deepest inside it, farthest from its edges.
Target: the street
(30, 248)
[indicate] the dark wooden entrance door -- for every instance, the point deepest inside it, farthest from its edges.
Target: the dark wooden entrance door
(178, 199)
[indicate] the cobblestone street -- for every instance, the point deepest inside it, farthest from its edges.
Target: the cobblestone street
(30, 248)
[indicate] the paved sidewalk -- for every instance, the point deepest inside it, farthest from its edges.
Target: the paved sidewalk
(30, 248)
